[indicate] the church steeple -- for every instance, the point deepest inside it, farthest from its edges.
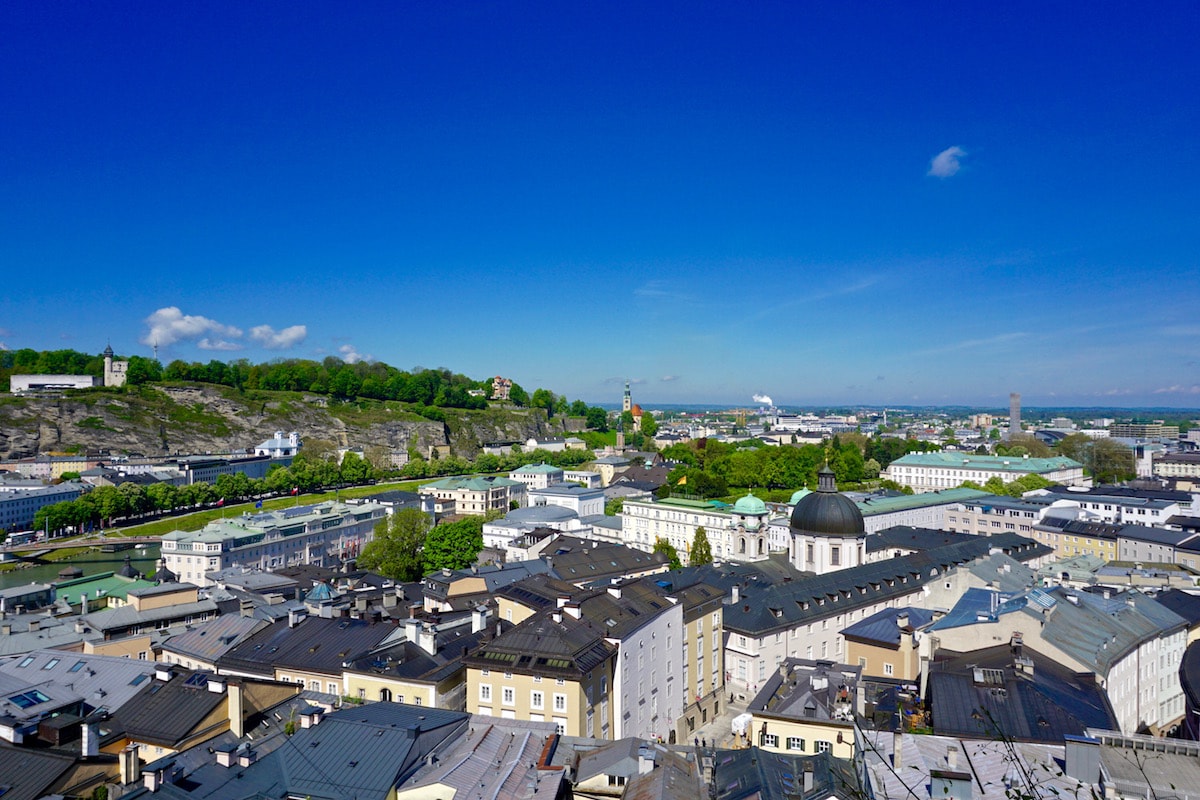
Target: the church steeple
(627, 400)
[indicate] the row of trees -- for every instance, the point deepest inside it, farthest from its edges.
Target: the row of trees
(486, 462)
(102, 505)
(407, 545)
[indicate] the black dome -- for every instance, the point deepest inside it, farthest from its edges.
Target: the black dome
(826, 511)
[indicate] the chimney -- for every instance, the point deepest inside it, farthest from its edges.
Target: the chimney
(573, 609)
(34, 624)
(163, 672)
(897, 751)
(80, 627)
(783, 670)
(5, 628)
(311, 717)
(216, 684)
(130, 765)
(226, 755)
(91, 738)
(902, 619)
(808, 776)
(615, 591)
(479, 618)
(556, 616)
(247, 757)
(735, 594)
(562, 600)
(427, 639)
(154, 779)
(390, 598)
(952, 757)
(83, 606)
(296, 616)
(235, 708)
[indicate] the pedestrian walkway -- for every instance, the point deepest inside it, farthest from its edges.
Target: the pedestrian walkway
(718, 732)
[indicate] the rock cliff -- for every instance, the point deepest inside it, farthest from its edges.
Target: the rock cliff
(201, 418)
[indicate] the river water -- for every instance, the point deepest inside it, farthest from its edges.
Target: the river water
(144, 561)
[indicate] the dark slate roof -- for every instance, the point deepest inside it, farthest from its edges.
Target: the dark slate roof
(980, 693)
(602, 562)
(538, 591)
(762, 775)
(27, 774)
(764, 607)
(165, 712)
(1185, 522)
(408, 661)
(548, 643)
(315, 644)
(1184, 604)
(909, 538)
(882, 627)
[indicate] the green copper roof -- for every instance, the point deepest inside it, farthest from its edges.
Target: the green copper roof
(749, 505)
(997, 463)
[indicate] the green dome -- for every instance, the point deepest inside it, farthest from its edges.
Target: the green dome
(799, 495)
(749, 505)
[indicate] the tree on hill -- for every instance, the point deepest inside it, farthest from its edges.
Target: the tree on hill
(661, 545)
(395, 552)
(701, 550)
(597, 419)
(648, 425)
(454, 545)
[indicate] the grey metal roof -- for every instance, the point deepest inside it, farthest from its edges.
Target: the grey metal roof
(210, 640)
(763, 775)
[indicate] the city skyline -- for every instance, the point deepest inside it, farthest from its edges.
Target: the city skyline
(906, 206)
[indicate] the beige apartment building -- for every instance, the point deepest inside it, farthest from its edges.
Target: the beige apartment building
(553, 667)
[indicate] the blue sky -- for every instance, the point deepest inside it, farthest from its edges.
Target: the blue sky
(891, 203)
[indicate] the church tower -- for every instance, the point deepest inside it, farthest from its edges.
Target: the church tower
(627, 401)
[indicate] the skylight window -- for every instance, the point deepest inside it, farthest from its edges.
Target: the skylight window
(51, 664)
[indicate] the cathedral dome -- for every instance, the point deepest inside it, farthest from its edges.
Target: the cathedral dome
(827, 512)
(749, 505)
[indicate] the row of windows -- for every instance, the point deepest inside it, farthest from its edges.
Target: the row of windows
(508, 696)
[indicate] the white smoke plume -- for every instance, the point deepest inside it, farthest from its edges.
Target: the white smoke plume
(764, 399)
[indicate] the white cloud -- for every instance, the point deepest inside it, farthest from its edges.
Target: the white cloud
(669, 378)
(3, 346)
(169, 325)
(1178, 389)
(272, 339)
(351, 355)
(217, 344)
(946, 163)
